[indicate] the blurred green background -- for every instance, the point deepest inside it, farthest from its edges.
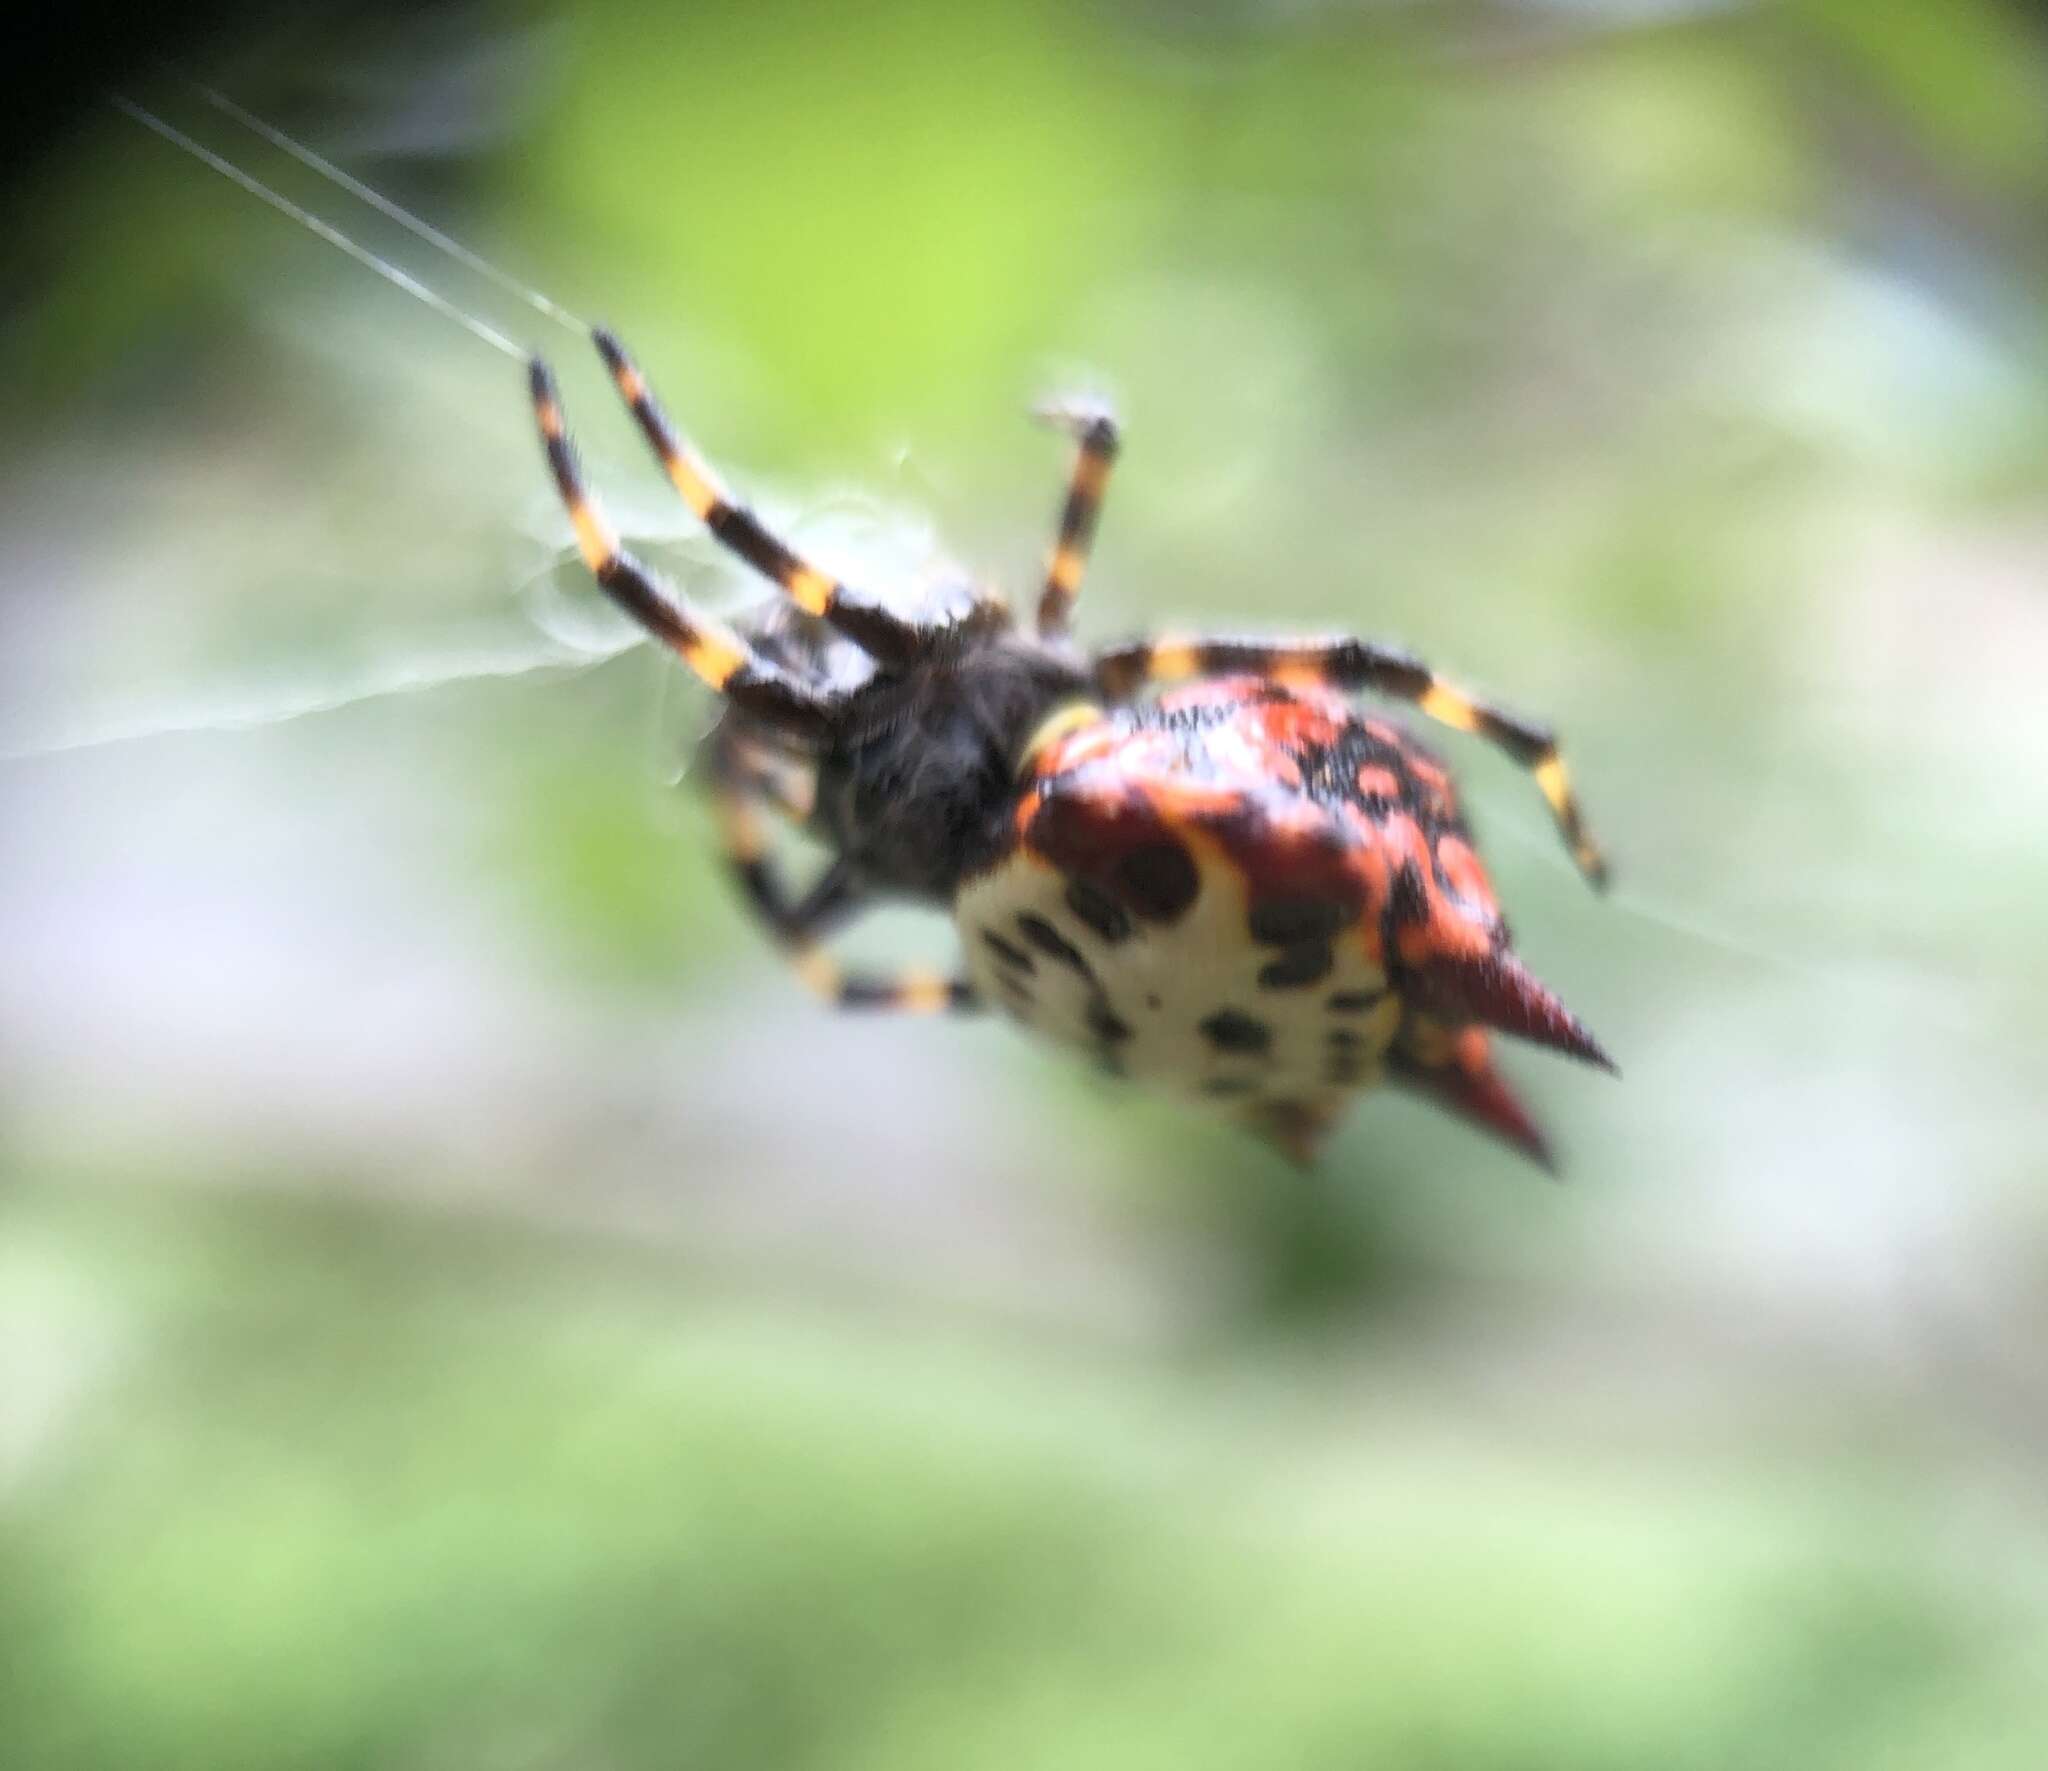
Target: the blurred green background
(460, 1303)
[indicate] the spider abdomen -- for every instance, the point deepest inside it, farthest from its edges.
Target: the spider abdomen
(1248, 891)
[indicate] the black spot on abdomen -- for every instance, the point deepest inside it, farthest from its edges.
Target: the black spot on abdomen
(1407, 898)
(1106, 1024)
(1099, 911)
(1232, 1030)
(1158, 881)
(1354, 1002)
(1292, 922)
(1054, 945)
(1308, 963)
(1008, 953)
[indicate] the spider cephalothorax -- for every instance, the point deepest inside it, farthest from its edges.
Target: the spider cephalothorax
(1243, 888)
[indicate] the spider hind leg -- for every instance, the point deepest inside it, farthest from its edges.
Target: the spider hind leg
(1351, 665)
(799, 925)
(722, 658)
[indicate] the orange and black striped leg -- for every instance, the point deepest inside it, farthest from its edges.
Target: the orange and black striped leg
(1095, 433)
(799, 925)
(884, 636)
(785, 784)
(721, 657)
(1359, 664)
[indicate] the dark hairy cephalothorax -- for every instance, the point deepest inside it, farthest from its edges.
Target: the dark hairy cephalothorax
(916, 773)
(1242, 886)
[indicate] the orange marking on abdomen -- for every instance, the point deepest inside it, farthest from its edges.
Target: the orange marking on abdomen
(1445, 930)
(1436, 785)
(1428, 773)
(1296, 721)
(1178, 803)
(1445, 935)
(1462, 867)
(1471, 1050)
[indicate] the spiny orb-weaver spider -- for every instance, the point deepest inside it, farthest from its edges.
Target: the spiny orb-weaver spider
(1243, 888)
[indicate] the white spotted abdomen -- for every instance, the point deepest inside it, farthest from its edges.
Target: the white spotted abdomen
(1195, 1004)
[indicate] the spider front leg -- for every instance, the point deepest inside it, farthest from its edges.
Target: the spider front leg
(885, 637)
(799, 925)
(723, 659)
(1353, 664)
(1094, 430)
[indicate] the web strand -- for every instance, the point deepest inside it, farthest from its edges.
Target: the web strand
(321, 229)
(233, 708)
(384, 206)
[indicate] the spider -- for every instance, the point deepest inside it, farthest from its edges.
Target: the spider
(1241, 887)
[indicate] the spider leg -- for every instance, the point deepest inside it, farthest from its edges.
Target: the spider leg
(785, 784)
(1095, 432)
(884, 636)
(1361, 664)
(799, 924)
(717, 654)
